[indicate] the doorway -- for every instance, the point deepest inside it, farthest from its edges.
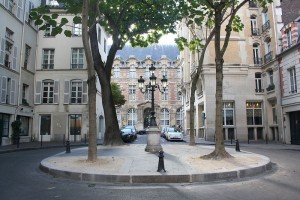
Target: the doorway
(295, 127)
(147, 117)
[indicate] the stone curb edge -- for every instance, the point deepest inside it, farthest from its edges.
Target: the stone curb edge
(185, 178)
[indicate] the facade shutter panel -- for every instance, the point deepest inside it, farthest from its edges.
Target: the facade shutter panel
(38, 92)
(67, 92)
(20, 10)
(4, 89)
(56, 92)
(13, 92)
(84, 92)
(14, 60)
(2, 51)
(6, 3)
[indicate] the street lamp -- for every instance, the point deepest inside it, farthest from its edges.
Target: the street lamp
(153, 139)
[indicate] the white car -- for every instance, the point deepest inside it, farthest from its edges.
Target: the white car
(173, 134)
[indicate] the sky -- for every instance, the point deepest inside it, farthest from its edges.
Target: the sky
(165, 39)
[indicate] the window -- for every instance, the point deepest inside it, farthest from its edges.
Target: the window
(254, 25)
(48, 31)
(99, 35)
(116, 71)
(147, 71)
(266, 22)
(254, 113)
(48, 59)
(228, 113)
(75, 124)
(45, 125)
(27, 55)
(258, 83)
(274, 113)
(131, 93)
(28, 10)
(148, 94)
(25, 94)
(11, 5)
(76, 91)
(4, 125)
(8, 54)
(77, 29)
(289, 37)
(9, 34)
(179, 116)
(256, 54)
(178, 73)
(164, 71)
(24, 125)
(48, 91)
(252, 4)
(77, 58)
(104, 45)
(131, 116)
(164, 117)
(271, 81)
(293, 81)
(179, 93)
(165, 95)
(268, 50)
(132, 71)
(8, 90)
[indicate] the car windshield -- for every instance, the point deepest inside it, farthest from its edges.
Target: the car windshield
(126, 130)
(172, 130)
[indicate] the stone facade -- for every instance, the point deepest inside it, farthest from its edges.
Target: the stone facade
(127, 71)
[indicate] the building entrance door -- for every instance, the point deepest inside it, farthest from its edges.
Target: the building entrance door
(295, 127)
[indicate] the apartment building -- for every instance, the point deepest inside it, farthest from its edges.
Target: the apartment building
(18, 37)
(43, 78)
(132, 63)
(251, 86)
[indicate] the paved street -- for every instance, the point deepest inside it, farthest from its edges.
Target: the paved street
(21, 179)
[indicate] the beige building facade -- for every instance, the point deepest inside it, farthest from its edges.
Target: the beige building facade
(251, 85)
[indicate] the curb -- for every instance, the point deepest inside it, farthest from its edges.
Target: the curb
(180, 178)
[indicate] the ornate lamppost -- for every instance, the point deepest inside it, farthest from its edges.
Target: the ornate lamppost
(153, 136)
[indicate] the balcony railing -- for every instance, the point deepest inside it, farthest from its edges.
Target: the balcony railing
(259, 90)
(252, 4)
(268, 57)
(270, 87)
(257, 61)
(255, 32)
(266, 26)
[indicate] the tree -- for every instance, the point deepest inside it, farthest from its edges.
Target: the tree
(117, 95)
(126, 21)
(213, 14)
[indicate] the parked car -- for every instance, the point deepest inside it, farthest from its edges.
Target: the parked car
(133, 129)
(142, 132)
(163, 132)
(173, 134)
(127, 135)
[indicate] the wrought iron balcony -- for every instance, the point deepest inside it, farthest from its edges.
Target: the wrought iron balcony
(255, 32)
(266, 26)
(259, 90)
(270, 87)
(257, 61)
(252, 4)
(268, 57)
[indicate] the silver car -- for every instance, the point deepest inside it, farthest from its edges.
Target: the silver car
(173, 134)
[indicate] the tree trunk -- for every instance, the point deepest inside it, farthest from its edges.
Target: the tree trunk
(112, 132)
(92, 148)
(219, 151)
(192, 111)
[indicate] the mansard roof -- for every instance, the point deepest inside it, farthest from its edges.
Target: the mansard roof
(155, 51)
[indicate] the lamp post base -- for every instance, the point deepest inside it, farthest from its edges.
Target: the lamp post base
(153, 140)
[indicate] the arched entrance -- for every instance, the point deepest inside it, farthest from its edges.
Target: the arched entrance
(147, 115)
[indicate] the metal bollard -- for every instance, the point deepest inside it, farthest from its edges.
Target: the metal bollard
(237, 145)
(161, 163)
(68, 148)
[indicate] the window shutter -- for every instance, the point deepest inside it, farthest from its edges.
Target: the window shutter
(3, 89)
(27, 10)
(6, 3)
(20, 10)
(2, 51)
(56, 92)
(13, 92)
(38, 90)
(67, 92)
(84, 92)
(14, 60)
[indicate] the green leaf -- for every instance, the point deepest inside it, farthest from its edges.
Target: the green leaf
(68, 33)
(64, 21)
(38, 22)
(55, 16)
(77, 20)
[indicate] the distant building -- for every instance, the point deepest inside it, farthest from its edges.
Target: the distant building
(131, 63)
